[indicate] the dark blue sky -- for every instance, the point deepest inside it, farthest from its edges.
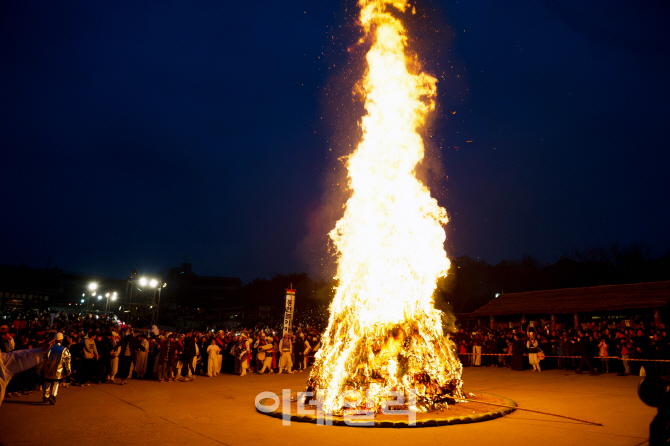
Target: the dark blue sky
(142, 134)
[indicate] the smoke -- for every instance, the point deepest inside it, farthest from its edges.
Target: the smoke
(341, 112)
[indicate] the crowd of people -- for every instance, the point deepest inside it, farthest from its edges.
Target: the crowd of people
(600, 347)
(100, 350)
(85, 349)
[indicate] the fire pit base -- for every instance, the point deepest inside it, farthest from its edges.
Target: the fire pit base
(460, 413)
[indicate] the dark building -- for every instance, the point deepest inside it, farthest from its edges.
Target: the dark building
(186, 289)
(23, 287)
(570, 307)
(30, 288)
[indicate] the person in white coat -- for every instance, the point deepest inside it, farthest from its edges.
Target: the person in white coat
(114, 356)
(212, 353)
(142, 356)
(533, 348)
(15, 362)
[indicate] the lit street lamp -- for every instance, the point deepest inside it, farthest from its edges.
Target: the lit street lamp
(92, 286)
(108, 296)
(142, 282)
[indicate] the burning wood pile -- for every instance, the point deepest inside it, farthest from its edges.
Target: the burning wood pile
(384, 333)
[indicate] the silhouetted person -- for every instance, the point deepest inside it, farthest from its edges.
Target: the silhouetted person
(518, 349)
(583, 350)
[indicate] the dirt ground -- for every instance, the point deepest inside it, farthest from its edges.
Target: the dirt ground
(221, 410)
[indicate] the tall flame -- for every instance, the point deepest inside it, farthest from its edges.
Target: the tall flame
(384, 332)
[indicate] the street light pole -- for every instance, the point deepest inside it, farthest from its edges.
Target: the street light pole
(158, 307)
(130, 299)
(92, 287)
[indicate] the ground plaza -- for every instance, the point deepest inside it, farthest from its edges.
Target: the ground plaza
(221, 410)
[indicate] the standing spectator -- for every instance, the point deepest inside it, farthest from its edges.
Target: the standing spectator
(265, 349)
(285, 348)
(114, 352)
(142, 348)
(223, 345)
(517, 353)
(625, 355)
(298, 351)
(244, 354)
(583, 350)
(212, 353)
(463, 352)
(181, 358)
(306, 352)
(533, 348)
(557, 350)
(476, 351)
(8, 343)
(492, 348)
(203, 345)
(176, 351)
(90, 358)
(127, 356)
(164, 364)
(602, 352)
(104, 346)
(567, 348)
(190, 351)
(258, 354)
(544, 347)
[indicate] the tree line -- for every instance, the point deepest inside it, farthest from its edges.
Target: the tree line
(471, 283)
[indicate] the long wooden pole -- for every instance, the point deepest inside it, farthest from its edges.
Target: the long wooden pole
(530, 410)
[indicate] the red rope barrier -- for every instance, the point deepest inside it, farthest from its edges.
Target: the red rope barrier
(576, 357)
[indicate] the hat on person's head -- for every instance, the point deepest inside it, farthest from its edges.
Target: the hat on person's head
(58, 336)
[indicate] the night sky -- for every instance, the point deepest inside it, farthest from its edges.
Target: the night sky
(144, 134)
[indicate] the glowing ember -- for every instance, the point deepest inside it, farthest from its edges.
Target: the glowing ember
(384, 332)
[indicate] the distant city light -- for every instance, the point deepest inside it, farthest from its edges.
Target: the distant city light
(153, 283)
(143, 281)
(92, 286)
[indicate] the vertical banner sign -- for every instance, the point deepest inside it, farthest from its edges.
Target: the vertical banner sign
(288, 314)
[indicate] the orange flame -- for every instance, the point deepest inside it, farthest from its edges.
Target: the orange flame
(384, 332)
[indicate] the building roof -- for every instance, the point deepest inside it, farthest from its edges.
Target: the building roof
(580, 300)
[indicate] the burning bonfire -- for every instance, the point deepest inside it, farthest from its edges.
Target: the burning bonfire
(384, 333)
